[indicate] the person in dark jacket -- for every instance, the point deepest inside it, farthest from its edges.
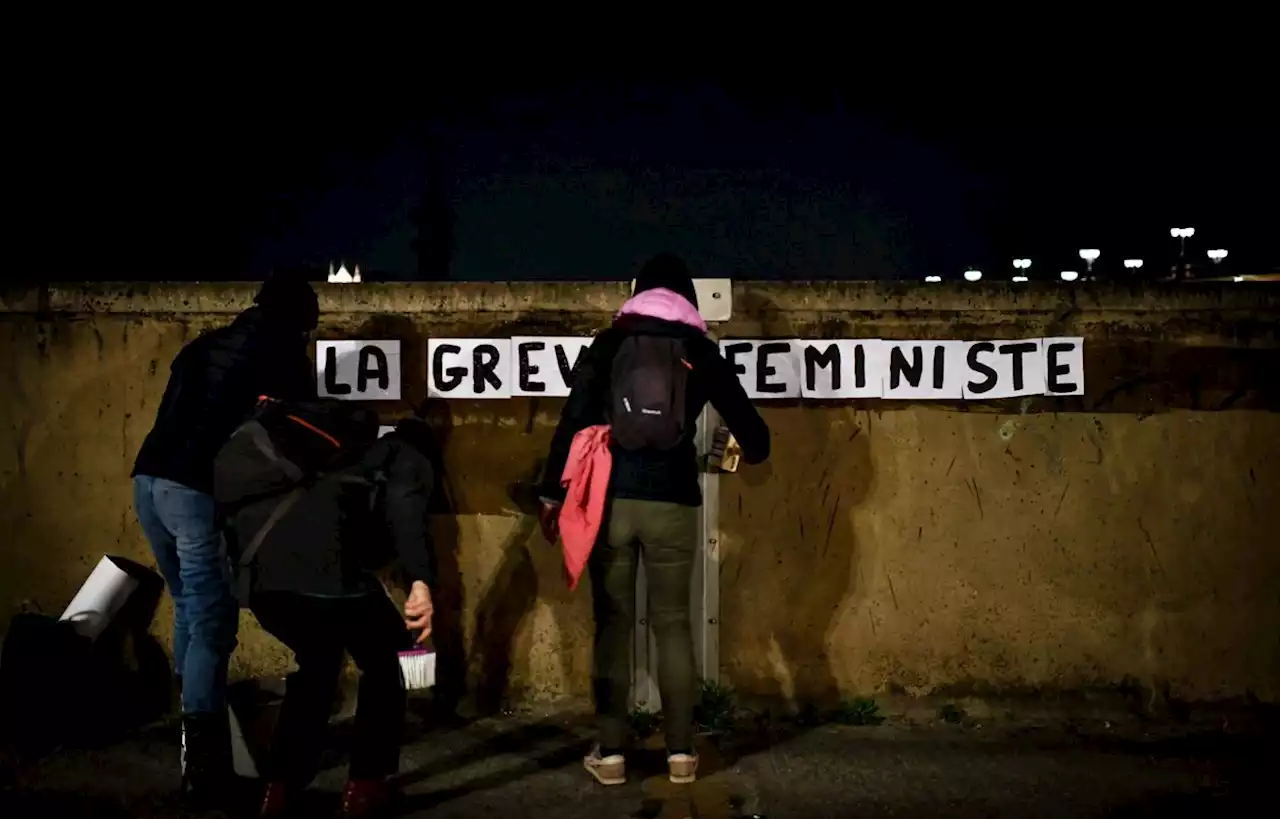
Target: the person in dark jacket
(213, 386)
(314, 590)
(652, 513)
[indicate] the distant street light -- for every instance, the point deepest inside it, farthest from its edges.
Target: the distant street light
(1090, 255)
(1069, 275)
(341, 276)
(933, 279)
(1021, 264)
(1133, 264)
(1216, 256)
(1237, 278)
(1182, 235)
(973, 275)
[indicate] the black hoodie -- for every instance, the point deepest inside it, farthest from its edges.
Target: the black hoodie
(648, 474)
(214, 384)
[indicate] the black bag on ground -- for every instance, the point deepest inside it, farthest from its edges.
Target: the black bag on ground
(43, 668)
(647, 393)
(274, 460)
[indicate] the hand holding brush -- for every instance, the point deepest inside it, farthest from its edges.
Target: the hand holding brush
(418, 665)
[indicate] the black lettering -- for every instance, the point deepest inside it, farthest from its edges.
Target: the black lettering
(566, 368)
(373, 364)
(860, 366)
(447, 378)
(899, 367)
(526, 368)
(763, 370)
(1018, 350)
(988, 382)
(332, 386)
(939, 366)
(484, 365)
(815, 358)
(731, 355)
(1055, 370)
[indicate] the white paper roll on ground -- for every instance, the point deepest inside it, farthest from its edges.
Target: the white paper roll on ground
(241, 757)
(98, 600)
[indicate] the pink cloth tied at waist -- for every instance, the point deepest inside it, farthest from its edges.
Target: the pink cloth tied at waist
(586, 482)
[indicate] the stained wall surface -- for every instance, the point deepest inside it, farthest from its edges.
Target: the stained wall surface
(1127, 535)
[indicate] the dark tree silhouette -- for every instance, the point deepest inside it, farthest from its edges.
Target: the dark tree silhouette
(433, 220)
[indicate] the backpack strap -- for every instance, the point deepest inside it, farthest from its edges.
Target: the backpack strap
(258, 434)
(282, 508)
(243, 578)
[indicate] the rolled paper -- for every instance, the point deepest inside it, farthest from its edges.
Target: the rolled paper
(100, 598)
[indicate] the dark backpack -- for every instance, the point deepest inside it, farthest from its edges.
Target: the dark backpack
(649, 380)
(278, 455)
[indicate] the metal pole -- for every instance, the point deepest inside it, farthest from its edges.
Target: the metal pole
(704, 611)
(704, 605)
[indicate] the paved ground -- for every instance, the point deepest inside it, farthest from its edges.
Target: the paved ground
(529, 766)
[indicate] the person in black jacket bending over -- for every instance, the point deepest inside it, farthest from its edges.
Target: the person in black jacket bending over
(629, 378)
(313, 589)
(213, 386)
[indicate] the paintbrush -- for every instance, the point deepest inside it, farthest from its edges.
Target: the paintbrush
(418, 666)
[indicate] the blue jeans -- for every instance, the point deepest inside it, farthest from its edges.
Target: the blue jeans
(181, 524)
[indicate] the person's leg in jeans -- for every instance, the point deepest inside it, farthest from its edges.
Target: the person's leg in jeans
(668, 534)
(165, 549)
(203, 588)
(312, 628)
(612, 567)
(181, 524)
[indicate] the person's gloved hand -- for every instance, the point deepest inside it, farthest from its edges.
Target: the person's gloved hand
(418, 610)
(549, 520)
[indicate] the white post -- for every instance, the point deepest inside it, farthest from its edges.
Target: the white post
(704, 611)
(704, 603)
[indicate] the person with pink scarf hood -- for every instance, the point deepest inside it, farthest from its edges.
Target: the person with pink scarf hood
(642, 498)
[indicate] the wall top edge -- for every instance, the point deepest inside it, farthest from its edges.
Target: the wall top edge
(749, 298)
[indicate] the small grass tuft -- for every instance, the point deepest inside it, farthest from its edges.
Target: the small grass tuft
(715, 708)
(859, 711)
(644, 724)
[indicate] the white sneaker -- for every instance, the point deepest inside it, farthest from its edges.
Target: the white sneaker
(607, 770)
(682, 768)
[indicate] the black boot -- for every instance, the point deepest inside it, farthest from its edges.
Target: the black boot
(208, 778)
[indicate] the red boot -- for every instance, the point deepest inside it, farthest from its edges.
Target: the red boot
(365, 799)
(275, 801)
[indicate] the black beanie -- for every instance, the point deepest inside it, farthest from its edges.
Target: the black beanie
(289, 301)
(669, 271)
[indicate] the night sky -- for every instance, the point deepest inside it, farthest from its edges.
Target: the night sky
(751, 178)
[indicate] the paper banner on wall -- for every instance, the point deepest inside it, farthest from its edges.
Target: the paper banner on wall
(358, 370)
(1003, 369)
(1063, 365)
(765, 368)
(906, 370)
(543, 365)
(840, 368)
(819, 369)
(469, 368)
(924, 369)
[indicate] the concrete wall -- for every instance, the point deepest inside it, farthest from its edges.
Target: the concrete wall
(1123, 536)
